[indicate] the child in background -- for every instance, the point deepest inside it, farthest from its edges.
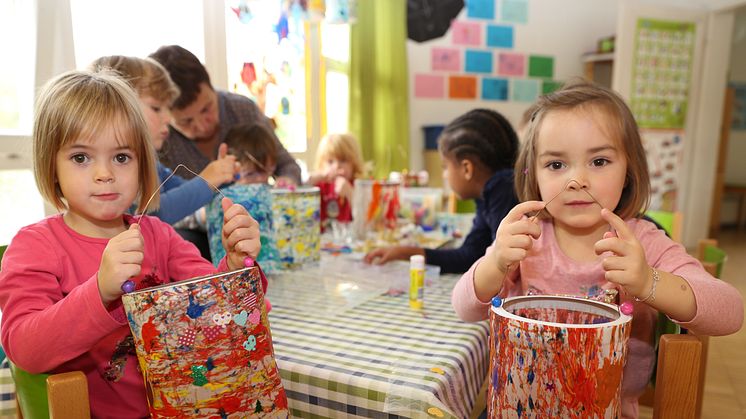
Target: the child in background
(338, 163)
(255, 149)
(583, 168)
(478, 150)
(179, 197)
(62, 277)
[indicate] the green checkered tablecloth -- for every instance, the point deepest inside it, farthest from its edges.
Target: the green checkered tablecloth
(346, 348)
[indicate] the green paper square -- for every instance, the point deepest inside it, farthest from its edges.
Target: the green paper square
(539, 66)
(549, 86)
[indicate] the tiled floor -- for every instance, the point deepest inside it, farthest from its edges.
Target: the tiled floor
(725, 384)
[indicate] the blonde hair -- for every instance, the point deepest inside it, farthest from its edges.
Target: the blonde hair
(620, 124)
(146, 76)
(76, 105)
(342, 147)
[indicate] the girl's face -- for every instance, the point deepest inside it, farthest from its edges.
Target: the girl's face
(574, 145)
(455, 175)
(334, 166)
(98, 177)
(157, 116)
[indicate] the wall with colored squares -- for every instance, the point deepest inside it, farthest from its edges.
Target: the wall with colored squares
(500, 54)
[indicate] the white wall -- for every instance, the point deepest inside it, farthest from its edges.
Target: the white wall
(562, 29)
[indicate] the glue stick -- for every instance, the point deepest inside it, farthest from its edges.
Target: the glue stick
(416, 281)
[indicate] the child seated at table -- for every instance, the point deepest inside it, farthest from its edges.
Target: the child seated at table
(256, 152)
(338, 163)
(478, 150)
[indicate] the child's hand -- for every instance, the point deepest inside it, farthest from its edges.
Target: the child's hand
(223, 170)
(386, 254)
(515, 235)
(284, 182)
(240, 234)
(343, 188)
(627, 266)
(121, 260)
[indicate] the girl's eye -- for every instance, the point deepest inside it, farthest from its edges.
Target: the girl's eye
(600, 162)
(122, 158)
(555, 165)
(79, 158)
(156, 109)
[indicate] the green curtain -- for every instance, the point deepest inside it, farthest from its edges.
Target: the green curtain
(379, 108)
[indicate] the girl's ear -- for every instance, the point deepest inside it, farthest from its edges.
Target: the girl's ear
(467, 169)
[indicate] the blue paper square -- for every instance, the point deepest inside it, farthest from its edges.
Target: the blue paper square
(499, 36)
(514, 11)
(480, 9)
(478, 61)
(494, 89)
(524, 90)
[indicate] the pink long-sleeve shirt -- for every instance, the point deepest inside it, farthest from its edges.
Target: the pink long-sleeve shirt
(547, 270)
(53, 319)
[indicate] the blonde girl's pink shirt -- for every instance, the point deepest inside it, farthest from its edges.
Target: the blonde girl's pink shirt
(547, 270)
(53, 319)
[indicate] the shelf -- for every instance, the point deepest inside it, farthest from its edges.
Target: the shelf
(593, 57)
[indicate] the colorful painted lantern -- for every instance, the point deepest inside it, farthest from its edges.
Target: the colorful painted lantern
(553, 356)
(297, 225)
(375, 205)
(205, 348)
(257, 200)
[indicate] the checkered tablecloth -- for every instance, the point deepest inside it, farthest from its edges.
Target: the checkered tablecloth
(347, 349)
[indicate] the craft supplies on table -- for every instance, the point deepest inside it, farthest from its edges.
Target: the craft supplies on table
(297, 227)
(375, 205)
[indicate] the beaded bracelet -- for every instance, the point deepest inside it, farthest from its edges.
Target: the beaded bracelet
(650, 296)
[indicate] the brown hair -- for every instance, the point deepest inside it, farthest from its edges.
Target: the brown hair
(620, 123)
(77, 104)
(185, 70)
(342, 146)
(254, 139)
(146, 76)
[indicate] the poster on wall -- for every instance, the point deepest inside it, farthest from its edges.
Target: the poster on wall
(665, 152)
(661, 72)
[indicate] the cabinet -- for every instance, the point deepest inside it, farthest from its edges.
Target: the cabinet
(598, 67)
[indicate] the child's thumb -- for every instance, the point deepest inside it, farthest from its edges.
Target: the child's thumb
(222, 150)
(226, 203)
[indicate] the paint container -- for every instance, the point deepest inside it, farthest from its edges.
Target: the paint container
(375, 205)
(205, 349)
(553, 356)
(297, 226)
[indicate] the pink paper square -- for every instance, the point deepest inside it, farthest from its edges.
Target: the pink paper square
(448, 59)
(466, 33)
(429, 86)
(509, 64)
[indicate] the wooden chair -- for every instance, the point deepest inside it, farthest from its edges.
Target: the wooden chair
(682, 358)
(52, 396)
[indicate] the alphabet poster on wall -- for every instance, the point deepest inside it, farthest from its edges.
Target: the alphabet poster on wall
(661, 72)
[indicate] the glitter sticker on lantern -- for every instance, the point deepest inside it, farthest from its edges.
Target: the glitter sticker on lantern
(225, 371)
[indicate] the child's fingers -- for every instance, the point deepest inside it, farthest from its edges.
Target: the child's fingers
(222, 150)
(621, 228)
(522, 209)
(372, 255)
(226, 203)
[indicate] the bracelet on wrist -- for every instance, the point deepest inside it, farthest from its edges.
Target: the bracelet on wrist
(651, 296)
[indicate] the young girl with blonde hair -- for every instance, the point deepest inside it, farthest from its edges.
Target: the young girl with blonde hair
(61, 281)
(338, 163)
(583, 168)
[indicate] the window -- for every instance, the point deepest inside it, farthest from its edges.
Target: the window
(335, 50)
(17, 80)
(134, 27)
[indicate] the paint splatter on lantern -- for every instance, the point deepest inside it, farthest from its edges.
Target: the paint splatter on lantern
(553, 356)
(203, 351)
(297, 225)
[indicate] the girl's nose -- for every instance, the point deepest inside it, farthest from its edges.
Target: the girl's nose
(577, 184)
(104, 174)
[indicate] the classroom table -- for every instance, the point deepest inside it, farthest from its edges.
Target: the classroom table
(347, 344)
